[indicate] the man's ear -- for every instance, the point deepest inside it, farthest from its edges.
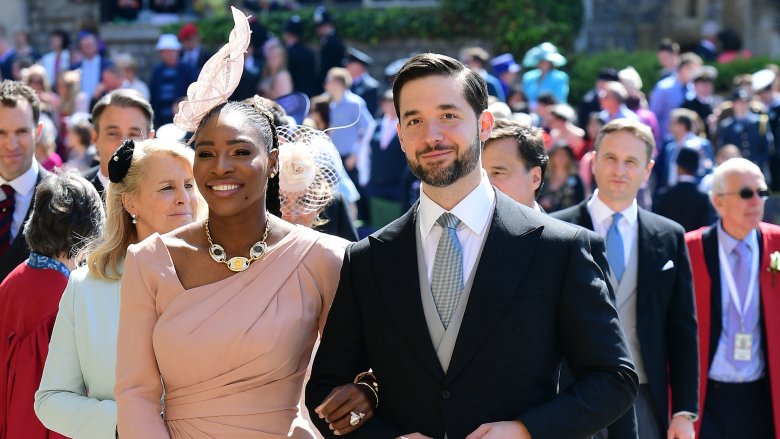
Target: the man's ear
(151, 134)
(486, 121)
(38, 131)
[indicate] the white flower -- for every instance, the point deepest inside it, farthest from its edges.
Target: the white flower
(297, 168)
(774, 262)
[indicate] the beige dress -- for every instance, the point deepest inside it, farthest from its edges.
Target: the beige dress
(232, 354)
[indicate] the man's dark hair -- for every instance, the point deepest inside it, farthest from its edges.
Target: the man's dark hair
(546, 98)
(67, 213)
(530, 144)
(433, 64)
(125, 98)
(13, 92)
(669, 45)
(63, 36)
(684, 117)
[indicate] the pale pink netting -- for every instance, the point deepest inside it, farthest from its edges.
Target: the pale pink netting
(218, 78)
(309, 170)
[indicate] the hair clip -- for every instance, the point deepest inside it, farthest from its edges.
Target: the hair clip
(120, 161)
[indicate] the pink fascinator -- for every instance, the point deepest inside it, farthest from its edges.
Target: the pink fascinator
(218, 78)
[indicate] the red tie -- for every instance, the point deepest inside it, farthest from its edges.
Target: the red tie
(6, 218)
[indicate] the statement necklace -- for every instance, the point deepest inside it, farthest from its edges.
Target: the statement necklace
(237, 263)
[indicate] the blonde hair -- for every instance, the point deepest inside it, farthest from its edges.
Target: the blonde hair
(107, 253)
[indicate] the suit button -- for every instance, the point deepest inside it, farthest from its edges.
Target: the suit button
(445, 394)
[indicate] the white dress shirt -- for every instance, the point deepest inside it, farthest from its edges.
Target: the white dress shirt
(601, 216)
(24, 186)
(473, 212)
(90, 75)
(103, 179)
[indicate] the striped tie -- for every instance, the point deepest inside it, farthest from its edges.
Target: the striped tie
(6, 218)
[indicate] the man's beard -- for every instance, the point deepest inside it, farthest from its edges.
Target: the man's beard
(444, 176)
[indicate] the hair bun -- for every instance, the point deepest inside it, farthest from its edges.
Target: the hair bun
(120, 161)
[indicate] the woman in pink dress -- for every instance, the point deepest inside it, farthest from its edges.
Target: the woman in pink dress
(222, 314)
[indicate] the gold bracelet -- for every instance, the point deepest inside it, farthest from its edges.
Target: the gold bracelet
(373, 390)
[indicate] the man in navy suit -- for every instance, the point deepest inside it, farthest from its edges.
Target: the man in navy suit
(465, 307)
(651, 276)
(20, 173)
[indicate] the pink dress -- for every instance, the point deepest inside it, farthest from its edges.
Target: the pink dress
(232, 354)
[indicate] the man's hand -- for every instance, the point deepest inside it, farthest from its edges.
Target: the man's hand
(680, 428)
(501, 430)
(350, 162)
(338, 407)
(414, 436)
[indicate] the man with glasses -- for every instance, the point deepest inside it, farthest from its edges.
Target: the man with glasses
(735, 270)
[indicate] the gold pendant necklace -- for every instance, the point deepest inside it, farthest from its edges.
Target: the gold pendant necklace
(237, 263)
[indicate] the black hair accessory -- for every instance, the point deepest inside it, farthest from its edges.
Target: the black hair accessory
(120, 161)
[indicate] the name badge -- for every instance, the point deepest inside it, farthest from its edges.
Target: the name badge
(743, 346)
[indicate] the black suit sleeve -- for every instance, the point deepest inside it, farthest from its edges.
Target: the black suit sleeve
(682, 334)
(341, 356)
(595, 349)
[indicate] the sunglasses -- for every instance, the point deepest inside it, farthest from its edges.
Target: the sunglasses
(747, 193)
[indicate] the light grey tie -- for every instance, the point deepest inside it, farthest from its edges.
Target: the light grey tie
(447, 278)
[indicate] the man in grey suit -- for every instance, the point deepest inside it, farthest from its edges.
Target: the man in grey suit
(465, 307)
(651, 275)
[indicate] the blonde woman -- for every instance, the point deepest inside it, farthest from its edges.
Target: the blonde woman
(276, 81)
(152, 190)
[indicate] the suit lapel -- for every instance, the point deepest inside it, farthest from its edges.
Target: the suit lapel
(650, 261)
(585, 219)
(394, 255)
(509, 249)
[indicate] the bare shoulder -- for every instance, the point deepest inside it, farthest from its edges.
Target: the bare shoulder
(185, 238)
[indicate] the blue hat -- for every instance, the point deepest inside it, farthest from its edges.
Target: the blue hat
(543, 52)
(296, 105)
(504, 63)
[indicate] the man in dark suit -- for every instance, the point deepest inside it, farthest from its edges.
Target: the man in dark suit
(363, 84)
(193, 55)
(119, 115)
(735, 269)
(332, 49)
(683, 203)
(91, 63)
(20, 173)
(465, 307)
(651, 275)
(300, 59)
(703, 99)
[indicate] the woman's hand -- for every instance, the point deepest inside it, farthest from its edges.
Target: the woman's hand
(346, 408)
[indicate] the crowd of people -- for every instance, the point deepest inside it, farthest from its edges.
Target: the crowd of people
(176, 256)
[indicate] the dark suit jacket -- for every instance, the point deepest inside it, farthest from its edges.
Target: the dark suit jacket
(686, 205)
(301, 64)
(332, 53)
(19, 251)
(666, 314)
(91, 175)
(368, 89)
(537, 298)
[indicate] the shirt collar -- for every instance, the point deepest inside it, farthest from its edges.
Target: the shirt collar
(601, 212)
(103, 179)
(473, 211)
(41, 262)
(25, 183)
(729, 242)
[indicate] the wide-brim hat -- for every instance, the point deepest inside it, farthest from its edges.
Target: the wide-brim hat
(504, 63)
(296, 105)
(563, 111)
(705, 73)
(763, 79)
(543, 52)
(168, 42)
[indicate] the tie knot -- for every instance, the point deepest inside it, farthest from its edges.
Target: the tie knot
(448, 221)
(8, 190)
(742, 249)
(616, 217)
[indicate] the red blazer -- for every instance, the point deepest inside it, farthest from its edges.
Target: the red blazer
(704, 261)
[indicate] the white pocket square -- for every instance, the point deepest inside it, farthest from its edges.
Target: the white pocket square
(668, 265)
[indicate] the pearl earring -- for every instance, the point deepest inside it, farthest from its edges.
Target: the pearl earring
(134, 216)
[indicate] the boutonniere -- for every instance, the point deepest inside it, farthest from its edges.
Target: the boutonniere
(774, 265)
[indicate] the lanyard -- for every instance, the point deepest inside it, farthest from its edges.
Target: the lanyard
(732, 287)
